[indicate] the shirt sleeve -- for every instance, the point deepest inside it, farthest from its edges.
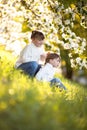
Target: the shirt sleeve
(26, 54)
(43, 74)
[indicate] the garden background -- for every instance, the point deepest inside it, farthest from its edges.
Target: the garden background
(29, 104)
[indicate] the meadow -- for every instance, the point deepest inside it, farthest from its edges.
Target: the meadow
(26, 104)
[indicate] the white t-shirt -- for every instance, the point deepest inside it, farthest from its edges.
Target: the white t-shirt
(46, 73)
(30, 53)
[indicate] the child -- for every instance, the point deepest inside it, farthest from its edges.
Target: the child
(46, 73)
(31, 55)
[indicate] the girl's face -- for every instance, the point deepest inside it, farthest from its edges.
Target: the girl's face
(37, 42)
(55, 62)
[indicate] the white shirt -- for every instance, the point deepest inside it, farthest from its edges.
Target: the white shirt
(46, 73)
(30, 53)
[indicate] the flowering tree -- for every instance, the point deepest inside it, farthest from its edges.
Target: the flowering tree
(19, 17)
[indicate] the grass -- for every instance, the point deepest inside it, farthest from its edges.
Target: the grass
(31, 105)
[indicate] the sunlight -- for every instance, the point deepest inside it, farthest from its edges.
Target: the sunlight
(56, 25)
(3, 105)
(11, 91)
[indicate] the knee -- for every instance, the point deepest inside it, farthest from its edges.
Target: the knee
(34, 64)
(56, 80)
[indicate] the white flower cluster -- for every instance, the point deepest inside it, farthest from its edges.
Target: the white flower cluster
(78, 61)
(41, 15)
(11, 30)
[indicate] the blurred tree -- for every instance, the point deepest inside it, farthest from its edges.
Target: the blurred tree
(64, 24)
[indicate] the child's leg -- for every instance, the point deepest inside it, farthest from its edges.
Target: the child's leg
(38, 68)
(29, 68)
(57, 82)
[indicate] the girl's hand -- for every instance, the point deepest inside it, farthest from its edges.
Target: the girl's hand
(43, 57)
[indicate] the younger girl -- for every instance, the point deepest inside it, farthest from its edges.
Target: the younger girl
(47, 72)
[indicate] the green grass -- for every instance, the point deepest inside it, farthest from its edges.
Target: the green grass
(27, 104)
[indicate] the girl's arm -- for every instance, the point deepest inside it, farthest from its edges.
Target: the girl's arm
(43, 57)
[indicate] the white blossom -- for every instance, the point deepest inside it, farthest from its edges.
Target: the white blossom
(41, 17)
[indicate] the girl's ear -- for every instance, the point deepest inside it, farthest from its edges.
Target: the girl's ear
(50, 61)
(33, 39)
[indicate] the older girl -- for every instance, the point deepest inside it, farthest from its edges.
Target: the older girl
(30, 56)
